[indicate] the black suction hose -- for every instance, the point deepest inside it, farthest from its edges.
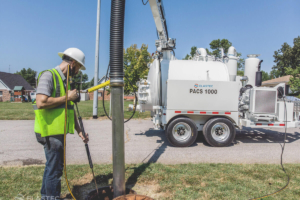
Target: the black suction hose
(116, 42)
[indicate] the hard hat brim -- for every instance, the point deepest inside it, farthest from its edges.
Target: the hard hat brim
(61, 54)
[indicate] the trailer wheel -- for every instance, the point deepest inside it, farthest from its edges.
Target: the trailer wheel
(219, 132)
(182, 132)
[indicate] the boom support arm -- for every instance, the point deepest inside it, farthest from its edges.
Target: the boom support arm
(164, 42)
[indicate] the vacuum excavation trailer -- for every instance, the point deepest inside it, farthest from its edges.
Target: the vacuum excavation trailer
(205, 93)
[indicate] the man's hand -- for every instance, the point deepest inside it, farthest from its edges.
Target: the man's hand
(84, 139)
(72, 95)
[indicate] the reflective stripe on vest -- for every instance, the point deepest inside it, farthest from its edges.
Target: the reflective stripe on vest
(50, 122)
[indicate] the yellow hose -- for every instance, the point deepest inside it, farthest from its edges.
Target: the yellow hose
(65, 134)
(102, 85)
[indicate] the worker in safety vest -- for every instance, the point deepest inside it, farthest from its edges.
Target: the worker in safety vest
(49, 109)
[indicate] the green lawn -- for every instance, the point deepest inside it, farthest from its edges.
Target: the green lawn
(24, 111)
(186, 181)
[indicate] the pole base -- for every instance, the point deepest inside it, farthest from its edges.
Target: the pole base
(95, 117)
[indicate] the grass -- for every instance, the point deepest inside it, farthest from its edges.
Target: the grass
(24, 111)
(186, 181)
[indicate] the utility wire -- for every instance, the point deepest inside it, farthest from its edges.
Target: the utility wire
(104, 94)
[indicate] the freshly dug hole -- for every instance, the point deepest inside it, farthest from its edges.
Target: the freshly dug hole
(105, 193)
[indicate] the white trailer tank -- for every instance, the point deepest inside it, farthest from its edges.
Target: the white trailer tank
(149, 90)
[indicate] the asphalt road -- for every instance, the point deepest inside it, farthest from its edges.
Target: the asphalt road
(18, 145)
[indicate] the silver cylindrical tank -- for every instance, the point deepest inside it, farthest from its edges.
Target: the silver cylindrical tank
(232, 63)
(251, 67)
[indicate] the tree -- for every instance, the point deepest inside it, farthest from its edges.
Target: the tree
(214, 46)
(265, 76)
(192, 53)
(274, 74)
(287, 61)
(287, 57)
(29, 75)
(135, 66)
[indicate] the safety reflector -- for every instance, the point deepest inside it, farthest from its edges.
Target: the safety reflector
(202, 112)
(227, 113)
(281, 124)
(177, 111)
(270, 124)
(258, 124)
(215, 113)
(164, 113)
(190, 111)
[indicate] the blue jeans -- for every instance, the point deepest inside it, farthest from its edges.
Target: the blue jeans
(54, 151)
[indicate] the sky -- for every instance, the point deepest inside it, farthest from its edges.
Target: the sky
(32, 32)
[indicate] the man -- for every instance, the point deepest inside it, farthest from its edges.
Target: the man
(50, 117)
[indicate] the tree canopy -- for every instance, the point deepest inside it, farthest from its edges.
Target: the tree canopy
(287, 57)
(29, 75)
(135, 66)
(265, 76)
(216, 44)
(192, 53)
(288, 63)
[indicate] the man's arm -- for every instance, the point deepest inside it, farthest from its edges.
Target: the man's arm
(45, 102)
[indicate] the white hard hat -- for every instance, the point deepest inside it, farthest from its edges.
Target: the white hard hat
(76, 54)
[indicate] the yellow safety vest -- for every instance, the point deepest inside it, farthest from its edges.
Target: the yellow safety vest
(49, 122)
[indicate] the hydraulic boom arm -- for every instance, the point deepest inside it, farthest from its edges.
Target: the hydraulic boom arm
(164, 42)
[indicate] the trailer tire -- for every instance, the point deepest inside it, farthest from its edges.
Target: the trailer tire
(219, 132)
(182, 132)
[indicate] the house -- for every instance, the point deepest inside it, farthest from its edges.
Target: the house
(19, 92)
(276, 81)
(8, 82)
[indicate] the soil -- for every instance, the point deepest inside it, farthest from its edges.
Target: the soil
(105, 193)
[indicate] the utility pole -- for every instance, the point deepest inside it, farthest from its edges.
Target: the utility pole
(95, 102)
(8, 68)
(117, 85)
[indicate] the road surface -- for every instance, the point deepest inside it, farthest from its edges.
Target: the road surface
(18, 145)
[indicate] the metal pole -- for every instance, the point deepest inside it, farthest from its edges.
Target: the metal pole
(95, 102)
(118, 141)
(117, 84)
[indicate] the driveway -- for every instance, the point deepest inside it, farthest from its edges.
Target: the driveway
(18, 145)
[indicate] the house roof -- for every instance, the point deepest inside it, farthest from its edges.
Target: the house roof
(12, 80)
(283, 79)
(18, 88)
